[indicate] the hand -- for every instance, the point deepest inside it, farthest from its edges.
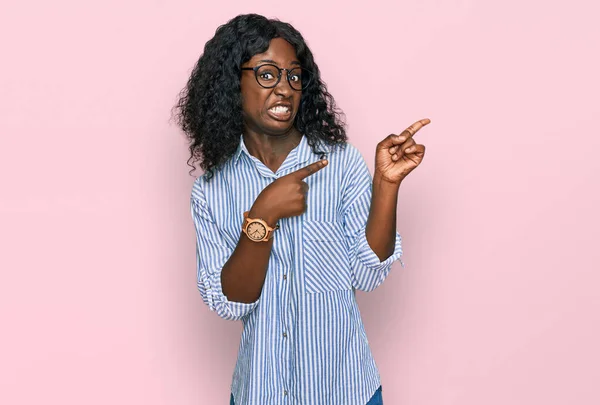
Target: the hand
(286, 196)
(398, 155)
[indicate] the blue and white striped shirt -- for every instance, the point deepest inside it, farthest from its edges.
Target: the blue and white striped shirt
(303, 340)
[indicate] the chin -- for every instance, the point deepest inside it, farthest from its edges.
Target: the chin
(280, 129)
(283, 132)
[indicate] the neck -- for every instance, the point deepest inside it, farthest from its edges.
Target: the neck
(269, 149)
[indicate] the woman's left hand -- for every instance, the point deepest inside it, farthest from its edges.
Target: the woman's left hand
(398, 155)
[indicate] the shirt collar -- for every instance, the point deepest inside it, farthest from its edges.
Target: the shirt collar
(241, 148)
(301, 153)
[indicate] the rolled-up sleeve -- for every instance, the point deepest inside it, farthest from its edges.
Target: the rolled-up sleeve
(368, 272)
(211, 255)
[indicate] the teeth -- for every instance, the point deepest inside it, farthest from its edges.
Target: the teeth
(280, 109)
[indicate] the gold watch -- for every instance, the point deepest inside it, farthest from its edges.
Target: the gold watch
(257, 230)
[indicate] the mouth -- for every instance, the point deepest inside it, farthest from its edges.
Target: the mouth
(280, 112)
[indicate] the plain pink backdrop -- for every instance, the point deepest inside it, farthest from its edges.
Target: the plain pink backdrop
(499, 301)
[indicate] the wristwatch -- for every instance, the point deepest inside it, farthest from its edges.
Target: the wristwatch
(257, 230)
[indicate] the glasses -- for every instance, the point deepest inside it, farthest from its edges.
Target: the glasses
(269, 76)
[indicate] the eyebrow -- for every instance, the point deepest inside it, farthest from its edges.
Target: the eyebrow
(275, 63)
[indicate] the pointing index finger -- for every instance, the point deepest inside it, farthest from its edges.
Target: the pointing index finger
(410, 131)
(309, 170)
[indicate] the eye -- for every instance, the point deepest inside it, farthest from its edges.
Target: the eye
(295, 77)
(267, 76)
(267, 73)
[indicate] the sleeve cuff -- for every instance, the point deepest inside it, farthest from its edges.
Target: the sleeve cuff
(217, 301)
(369, 258)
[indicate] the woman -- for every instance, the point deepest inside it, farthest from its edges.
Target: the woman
(289, 221)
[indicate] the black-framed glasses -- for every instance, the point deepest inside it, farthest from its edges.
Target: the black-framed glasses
(269, 76)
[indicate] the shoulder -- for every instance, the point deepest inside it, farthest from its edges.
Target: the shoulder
(346, 156)
(206, 184)
(198, 197)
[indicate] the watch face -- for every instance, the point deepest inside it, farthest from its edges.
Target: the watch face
(256, 231)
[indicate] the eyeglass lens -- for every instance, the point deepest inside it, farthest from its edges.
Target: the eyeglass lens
(268, 76)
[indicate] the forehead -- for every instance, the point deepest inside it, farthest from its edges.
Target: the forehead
(280, 51)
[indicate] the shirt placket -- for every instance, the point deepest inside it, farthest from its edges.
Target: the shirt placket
(285, 326)
(284, 257)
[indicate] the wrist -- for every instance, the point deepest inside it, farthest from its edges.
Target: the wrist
(380, 181)
(264, 214)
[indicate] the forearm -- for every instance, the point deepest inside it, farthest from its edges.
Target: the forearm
(244, 274)
(381, 225)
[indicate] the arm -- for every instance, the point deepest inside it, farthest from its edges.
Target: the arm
(230, 279)
(381, 225)
(396, 157)
(374, 247)
(244, 273)
(215, 257)
(369, 216)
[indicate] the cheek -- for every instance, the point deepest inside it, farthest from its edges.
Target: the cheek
(296, 102)
(253, 102)
(249, 104)
(248, 97)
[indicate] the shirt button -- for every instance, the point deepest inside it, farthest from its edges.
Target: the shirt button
(285, 276)
(284, 334)
(284, 392)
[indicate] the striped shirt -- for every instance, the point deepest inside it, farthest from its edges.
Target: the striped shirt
(303, 341)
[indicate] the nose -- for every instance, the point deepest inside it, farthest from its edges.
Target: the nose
(283, 88)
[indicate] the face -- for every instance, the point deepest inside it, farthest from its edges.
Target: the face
(270, 111)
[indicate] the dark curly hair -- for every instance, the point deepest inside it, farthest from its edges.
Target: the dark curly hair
(209, 109)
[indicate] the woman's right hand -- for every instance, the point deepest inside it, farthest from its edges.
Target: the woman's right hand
(286, 196)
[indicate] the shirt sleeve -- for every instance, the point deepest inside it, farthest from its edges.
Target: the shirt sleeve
(211, 255)
(368, 272)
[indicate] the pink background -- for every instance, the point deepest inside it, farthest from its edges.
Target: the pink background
(499, 301)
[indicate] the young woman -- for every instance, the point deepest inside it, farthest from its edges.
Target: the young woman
(289, 220)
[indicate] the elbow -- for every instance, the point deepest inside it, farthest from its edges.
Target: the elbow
(228, 310)
(227, 314)
(366, 287)
(212, 294)
(368, 279)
